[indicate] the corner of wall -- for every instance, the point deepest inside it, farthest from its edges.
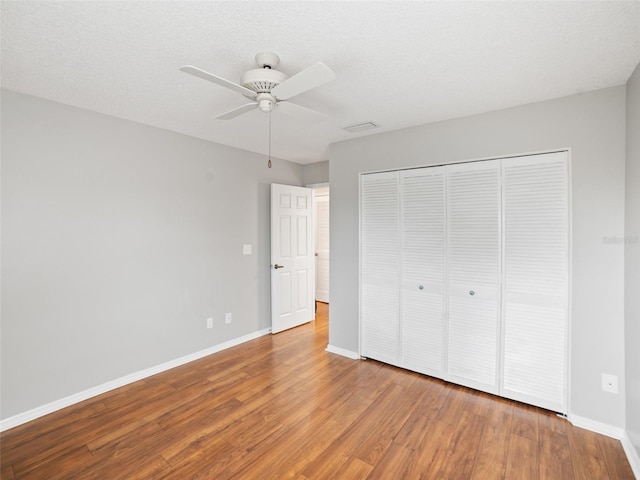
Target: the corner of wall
(315, 173)
(632, 271)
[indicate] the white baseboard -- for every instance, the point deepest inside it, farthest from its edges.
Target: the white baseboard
(37, 412)
(342, 351)
(598, 427)
(632, 454)
(614, 432)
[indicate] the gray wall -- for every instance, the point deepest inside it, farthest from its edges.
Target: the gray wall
(315, 173)
(593, 126)
(118, 241)
(632, 260)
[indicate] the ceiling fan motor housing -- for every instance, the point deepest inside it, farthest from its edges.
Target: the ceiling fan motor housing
(262, 80)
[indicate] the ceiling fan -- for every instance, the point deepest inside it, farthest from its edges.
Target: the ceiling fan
(268, 88)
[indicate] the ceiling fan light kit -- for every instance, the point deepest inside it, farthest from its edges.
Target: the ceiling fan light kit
(266, 102)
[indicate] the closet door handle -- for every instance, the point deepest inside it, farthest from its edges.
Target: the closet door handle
(276, 266)
(471, 292)
(421, 287)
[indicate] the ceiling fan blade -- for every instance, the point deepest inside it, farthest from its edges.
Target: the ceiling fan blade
(301, 113)
(190, 69)
(237, 111)
(311, 77)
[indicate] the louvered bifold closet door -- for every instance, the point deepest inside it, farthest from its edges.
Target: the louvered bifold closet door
(536, 258)
(423, 261)
(380, 267)
(473, 243)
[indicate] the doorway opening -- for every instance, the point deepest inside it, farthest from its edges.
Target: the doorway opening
(321, 237)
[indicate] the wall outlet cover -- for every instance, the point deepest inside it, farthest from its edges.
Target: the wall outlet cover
(227, 318)
(246, 249)
(609, 383)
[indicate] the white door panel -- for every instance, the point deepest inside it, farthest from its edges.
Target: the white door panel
(472, 346)
(536, 266)
(422, 217)
(380, 268)
(322, 248)
(292, 259)
(473, 247)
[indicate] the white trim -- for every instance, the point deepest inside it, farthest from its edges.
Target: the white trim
(598, 427)
(37, 412)
(360, 180)
(569, 325)
(342, 351)
(632, 454)
(613, 432)
(470, 160)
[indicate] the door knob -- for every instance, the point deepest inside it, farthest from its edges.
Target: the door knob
(471, 292)
(276, 266)
(421, 287)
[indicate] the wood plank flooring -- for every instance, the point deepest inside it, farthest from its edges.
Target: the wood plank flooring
(281, 407)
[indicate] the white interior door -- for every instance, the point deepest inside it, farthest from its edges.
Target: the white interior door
(322, 248)
(536, 267)
(292, 257)
(422, 192)
(473, 244)
(380, 267)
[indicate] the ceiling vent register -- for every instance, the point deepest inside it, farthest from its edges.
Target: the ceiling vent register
(360, 127)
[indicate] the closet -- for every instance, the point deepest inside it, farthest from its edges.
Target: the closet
(464, 274)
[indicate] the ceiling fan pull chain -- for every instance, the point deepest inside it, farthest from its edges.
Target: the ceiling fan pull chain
(269, 162)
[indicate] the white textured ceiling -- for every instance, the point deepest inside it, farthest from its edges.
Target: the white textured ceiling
(398, 64)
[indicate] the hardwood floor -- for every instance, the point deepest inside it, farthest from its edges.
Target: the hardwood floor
(282, 407)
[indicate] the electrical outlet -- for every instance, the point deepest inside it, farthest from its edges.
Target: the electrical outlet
(609, 383)
(210, 322)
(246, 249)
(227, 318)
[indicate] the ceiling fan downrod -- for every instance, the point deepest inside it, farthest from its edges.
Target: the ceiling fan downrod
(269, 162)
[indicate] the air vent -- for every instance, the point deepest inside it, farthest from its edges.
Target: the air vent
(360, 127)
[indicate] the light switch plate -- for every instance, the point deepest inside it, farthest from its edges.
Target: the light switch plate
(246, 249)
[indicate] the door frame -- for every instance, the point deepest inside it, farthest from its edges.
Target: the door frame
(319, 187)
